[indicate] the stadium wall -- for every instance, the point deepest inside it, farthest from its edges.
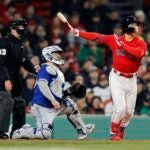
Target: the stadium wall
(138, 129)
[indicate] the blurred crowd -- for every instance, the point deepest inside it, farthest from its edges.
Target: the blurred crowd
(86, 62)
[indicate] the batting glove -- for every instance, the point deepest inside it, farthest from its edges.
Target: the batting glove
(75, 32)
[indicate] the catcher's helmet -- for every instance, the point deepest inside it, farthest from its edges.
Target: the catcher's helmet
(127, 21)
(15, 23)
(47, 53)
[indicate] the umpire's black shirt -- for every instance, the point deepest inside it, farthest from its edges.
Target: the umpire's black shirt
(12, 56)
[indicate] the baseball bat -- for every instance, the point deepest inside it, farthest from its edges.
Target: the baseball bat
(64, 20)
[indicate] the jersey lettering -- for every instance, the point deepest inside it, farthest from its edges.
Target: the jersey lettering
(3, 52)
(120, 52)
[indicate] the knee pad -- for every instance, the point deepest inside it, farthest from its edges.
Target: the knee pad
(71, 106)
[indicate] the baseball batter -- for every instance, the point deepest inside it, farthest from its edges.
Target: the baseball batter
(127, 52)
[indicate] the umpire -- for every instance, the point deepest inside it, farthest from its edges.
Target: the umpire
(12, 57)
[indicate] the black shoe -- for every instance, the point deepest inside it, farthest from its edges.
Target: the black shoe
(3, 135)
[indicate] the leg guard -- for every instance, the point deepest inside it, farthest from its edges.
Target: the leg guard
(74, 117)
(73, 114)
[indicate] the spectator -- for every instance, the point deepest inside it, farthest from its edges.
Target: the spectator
(41, 33)
(74, 5)
(97, 106)
(75, 21)
(102, 91)
(59, 5)
(28, 48)
(102, 7)
(67, 73)
(85, 11)
(93, 77)
(8, 14)
(96, 24)
(140, 15)
(88, 100)
(146, 73)
(27, 93)
(79, 79)
(31, 33)
(80, 101)
(140, 94)
(90, 50)
(86, 68)
(17, 15)
(117, 29)
(111, 20)
(30, 15)
(146, 100)
(57, 38)
(42, 43)
(148, 42)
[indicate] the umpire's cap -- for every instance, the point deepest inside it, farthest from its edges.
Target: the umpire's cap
(128, 20)
(15, 23)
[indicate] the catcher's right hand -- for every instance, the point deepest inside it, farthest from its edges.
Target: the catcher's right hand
(55, 104)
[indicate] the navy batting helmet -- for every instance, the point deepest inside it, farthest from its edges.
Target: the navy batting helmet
(127, 21)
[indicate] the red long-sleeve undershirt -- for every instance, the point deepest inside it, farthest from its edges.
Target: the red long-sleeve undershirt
(89, 35)
(137, 52)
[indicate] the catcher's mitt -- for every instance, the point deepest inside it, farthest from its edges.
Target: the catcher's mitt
(77, 90)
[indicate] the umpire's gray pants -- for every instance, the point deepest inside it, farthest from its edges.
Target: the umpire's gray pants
(6, 106)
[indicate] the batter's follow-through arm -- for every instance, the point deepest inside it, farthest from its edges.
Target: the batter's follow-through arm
(93, 36)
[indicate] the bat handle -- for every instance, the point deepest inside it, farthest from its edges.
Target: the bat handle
(69, 25)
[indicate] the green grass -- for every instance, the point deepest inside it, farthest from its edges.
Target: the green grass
(73, 145)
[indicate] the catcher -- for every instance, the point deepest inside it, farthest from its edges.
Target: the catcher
(50, 99)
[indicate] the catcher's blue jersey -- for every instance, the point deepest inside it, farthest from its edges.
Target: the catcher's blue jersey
(55, 79)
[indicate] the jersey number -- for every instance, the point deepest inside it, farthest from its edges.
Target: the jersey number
(3, 52)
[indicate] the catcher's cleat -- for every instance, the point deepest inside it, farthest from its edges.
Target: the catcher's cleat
(89, 128)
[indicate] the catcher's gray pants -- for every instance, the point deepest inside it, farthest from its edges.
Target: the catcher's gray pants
(6, 106)
(45, 117)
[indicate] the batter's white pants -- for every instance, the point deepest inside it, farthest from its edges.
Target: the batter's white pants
(124, 93)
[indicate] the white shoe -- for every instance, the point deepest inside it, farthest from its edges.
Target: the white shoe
(83, 134)
(23, 133)
(90, 128)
